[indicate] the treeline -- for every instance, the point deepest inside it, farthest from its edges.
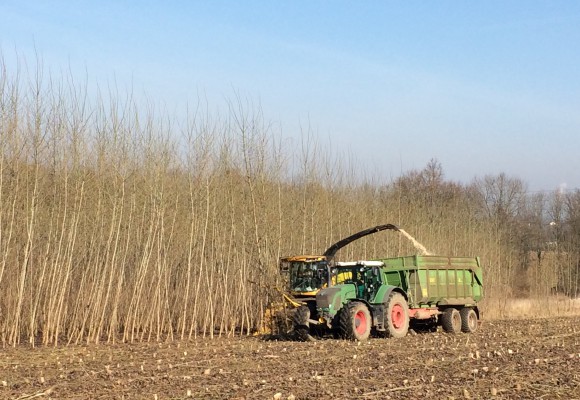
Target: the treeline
(118, 224)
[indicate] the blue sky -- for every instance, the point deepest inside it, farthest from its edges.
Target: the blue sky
(484, 87)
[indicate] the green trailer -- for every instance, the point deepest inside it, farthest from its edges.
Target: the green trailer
(389, 295)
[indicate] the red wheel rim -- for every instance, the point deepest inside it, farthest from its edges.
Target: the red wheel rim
(360, 322)
(397, 316)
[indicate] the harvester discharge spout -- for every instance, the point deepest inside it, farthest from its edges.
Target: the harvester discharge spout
(332, 250)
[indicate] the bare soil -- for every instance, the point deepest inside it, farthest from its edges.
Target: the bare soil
(513, 359)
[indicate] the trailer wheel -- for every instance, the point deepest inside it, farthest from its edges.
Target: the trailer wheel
(301, 325)
(451, 320)
(354, 321)
(396, 316)
(468, 320)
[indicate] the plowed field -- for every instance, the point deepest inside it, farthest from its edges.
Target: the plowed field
(515, 359)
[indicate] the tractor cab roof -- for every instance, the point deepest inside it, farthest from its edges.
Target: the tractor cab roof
(361, 263)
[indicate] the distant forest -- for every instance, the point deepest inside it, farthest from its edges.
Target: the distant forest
(122, 224)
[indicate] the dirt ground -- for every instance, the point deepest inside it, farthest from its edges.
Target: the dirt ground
(515, 359)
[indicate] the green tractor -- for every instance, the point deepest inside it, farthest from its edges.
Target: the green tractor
(307, 274)
(387, 296)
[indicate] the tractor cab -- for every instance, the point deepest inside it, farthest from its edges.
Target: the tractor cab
(365, 275)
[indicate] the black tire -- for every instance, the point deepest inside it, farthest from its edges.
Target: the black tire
(396, 316)
(468, 320)
(300, 323)
(354, 321)
(451, 320)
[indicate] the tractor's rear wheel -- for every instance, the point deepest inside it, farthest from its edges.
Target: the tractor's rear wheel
(468, 320)
(396, 316)
(301, 324)
(354, 321)
(451, 320)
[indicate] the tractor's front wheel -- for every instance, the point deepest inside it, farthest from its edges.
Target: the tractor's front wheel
(354, 321)
(396, 316)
